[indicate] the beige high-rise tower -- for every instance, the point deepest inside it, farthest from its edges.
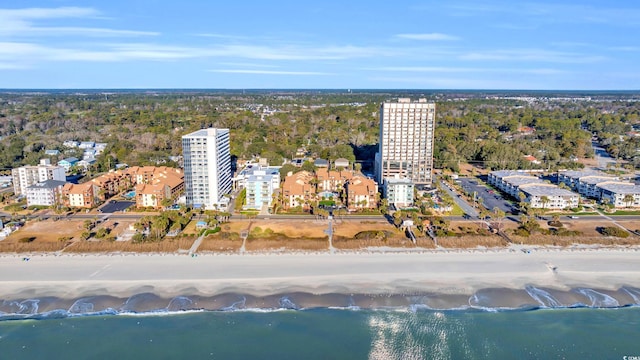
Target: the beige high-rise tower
(406, 141)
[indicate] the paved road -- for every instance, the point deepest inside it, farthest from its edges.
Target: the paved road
(468, 209)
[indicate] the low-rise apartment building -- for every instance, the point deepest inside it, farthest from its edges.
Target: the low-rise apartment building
(361, 193)
(398, 192)
(85, 195)
(549, 196)
(332, 180)
(538, 193)
(620, 194)
(297, 190)
(45, 193)
(112, 183)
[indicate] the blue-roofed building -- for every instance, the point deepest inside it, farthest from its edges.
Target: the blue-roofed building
(321, 163)
(68, 163)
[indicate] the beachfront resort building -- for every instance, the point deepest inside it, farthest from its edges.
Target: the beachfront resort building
(207, 168)
(112, 183)
(260, 189)
(85, 195)
(602, 187)
(361, 193)
(406, 141)
(25, 176)
(332, 180)
(537, 193)
(298, 190)
(510, 181)
(620, 194)
(398, 192)
(549, 196)
(164, 183)
(46, 193)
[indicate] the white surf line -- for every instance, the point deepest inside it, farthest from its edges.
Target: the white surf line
(104, 268)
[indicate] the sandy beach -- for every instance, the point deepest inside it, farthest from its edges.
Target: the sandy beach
(452, 272)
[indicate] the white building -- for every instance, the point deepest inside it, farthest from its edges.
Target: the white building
(398, 192)
(585, 182)
(620, 194)
(26, 176)
(207, 167)
(406, 141)
(549, 196)
(256, 169)
(510, 181)
(44, 193)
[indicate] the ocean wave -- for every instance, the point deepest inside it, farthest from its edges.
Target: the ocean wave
(486, 300)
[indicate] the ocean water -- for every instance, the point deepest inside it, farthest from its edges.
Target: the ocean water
(576, 324)
(578, 333)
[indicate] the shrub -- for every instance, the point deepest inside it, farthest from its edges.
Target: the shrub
(613, 231)
(27, 239)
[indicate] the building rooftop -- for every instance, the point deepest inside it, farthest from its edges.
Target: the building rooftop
(398, 181)
(205, 132)
(321, 162)
(47, 184)
(504, 173)
(577, 174)
(620, 187)
(546, 190)
(519, 180)
(595, 179)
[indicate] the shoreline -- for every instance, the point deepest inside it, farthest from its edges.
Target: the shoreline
(446, 272)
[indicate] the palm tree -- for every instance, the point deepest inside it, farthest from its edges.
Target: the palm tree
(499, 216)
(544, 200)
(628, 199)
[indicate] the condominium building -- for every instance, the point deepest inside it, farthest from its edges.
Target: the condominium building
(406, 141)
(259, 190)
(207, 168)
(46, 193)
(25, 176)
(398, 192)
(361, 193)
(85, 195)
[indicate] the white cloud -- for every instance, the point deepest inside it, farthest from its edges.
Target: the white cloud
(539, 55)
(443, 69)
(551, 12)
(626, 48)
(266, 72)
(47, 13)
(428, 37)
(22, 23)
(84, 31)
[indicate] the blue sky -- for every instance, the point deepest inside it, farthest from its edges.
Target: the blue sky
(494, 44)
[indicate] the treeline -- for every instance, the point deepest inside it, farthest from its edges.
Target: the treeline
(146, 128)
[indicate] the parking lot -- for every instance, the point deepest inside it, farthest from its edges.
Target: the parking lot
(490, 198)
(115, 205)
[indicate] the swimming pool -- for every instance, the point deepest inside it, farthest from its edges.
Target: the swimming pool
(130, 194)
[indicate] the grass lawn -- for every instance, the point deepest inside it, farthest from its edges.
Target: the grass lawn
(625, 212)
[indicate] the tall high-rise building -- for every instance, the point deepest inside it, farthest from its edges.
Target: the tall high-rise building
(406, 141)
(207, 168)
